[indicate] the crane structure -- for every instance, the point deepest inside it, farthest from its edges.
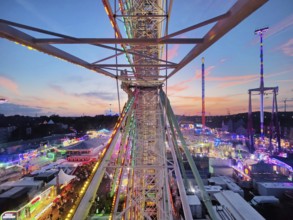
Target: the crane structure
(147, 130)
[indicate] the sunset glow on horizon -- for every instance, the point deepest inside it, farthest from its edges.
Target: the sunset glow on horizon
(35, 83)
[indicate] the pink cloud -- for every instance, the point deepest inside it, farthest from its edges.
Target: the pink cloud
(224, 81)
(223, 60)
(216, 105)
(235, 83)
(227, 81)
(190, 99)
(232, 78)
(285, 80)
(287, 48)
(33, 101)
(172, 52)
(180, 86)
(230, 81)
(9, 84)
(282, 25)
(58, 89)
(65, 106)
(177, 87)
(288, 70)
(208, 71)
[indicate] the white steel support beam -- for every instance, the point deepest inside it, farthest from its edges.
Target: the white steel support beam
(20, 37)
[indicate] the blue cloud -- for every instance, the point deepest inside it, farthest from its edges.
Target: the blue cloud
(14, 109)
(108, 96)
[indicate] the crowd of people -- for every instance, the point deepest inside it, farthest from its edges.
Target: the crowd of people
(69, 194)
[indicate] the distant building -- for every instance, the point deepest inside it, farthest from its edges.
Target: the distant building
(241, 130)
(86, 150)
(10, 173)
(276, 189)
(28, 131)
(219, 166)
(291, 134)
(110, 113)
(5, 133)
(51, 122)
(230, 125)
(202, 164)
(224, 126)
(234, 207)
(226, 183)
(63, 126)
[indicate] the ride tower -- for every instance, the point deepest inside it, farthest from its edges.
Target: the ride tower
(262, 90)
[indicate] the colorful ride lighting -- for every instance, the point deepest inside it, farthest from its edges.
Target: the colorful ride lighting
(35, 200)
(280, 163)
(240, 171)
(261, 30)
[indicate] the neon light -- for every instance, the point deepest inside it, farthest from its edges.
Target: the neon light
(35, 200)
(281, 164)
(9, 215)
(244, 174)
(45, 209)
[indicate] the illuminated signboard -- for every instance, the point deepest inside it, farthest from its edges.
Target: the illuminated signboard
(9, 216)
(198, 125)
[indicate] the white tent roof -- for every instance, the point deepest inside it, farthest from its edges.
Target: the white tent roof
(51, 122)
(63, 178)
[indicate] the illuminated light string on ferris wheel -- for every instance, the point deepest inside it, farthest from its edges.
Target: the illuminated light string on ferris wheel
(113, 22)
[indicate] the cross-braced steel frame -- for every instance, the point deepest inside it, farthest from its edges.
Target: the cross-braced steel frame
(274, 124)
